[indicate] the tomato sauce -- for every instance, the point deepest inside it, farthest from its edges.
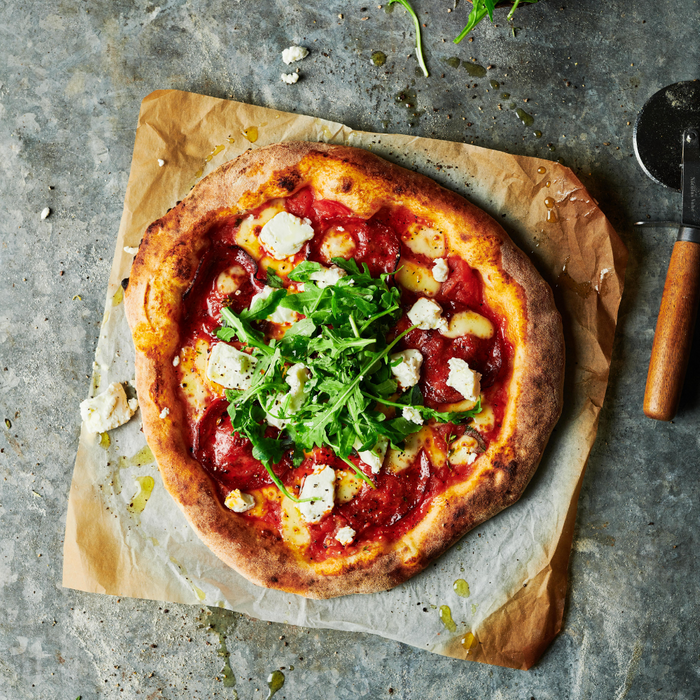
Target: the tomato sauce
(399, 500)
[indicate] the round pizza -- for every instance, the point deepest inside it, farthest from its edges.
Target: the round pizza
(342, 366)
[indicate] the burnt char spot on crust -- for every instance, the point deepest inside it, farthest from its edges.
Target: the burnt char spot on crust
(289, 181)
(345, 185)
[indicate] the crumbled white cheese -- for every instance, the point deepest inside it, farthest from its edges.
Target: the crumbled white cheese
(441, 271)
(413, 415)
(289, 78)
(374, 457)
(161, 162)
(176, 360)
(296, 378)
(231, 368)
(131, 250)
(108, 410)
(45, 212)
(294, 53)
(466, 381)
(327, 276)
(285, 234)
(280, 314)
(164, 413)
(239, 502)
(408, 372)
(321, 485)
(345, 535)
(427, 315)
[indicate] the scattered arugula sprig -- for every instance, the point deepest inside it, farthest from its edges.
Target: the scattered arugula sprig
(342, 342)
(482, 8)
(419, 43)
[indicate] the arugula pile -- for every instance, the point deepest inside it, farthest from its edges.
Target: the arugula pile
(342, 342)
(481, 8)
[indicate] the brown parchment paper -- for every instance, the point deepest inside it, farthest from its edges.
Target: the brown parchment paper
(516, 563)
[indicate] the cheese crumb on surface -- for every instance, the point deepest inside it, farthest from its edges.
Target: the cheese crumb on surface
(413, 415)
(161, 162)
(45, 212)
(289, 78)
(327, 276)
(108, 410)
(320, 484)
(374, 457)
(407, 373)
(131, 249)
(280, 314)
(441, 271)
(165, 413)
(294, 53)
(285, 234)
(345, 535)
(176, 360)
(427, 315)
(466, 381)
(239, 502)
(231, 368)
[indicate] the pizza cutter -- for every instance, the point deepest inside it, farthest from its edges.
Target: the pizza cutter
(667, 145)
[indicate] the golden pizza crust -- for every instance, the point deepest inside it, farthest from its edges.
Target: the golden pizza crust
(163, 270)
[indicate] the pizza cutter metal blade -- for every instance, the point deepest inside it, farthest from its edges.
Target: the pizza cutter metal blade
(667, 145)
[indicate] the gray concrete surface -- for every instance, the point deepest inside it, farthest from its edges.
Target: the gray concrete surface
(72, 75)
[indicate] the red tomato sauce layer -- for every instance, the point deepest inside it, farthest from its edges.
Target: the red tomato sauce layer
(399, 500)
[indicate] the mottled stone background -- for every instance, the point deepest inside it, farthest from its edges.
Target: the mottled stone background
(72, 75)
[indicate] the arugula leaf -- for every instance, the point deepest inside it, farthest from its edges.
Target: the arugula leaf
(273, 279)
(416, 22)
(482, 8)
(342, 342)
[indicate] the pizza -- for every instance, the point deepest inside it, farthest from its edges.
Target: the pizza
(342, 366)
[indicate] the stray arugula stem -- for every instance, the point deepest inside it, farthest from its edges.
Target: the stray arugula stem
(512, 10)
(281, 487)
(483, 8)
(416, 22)
(359, 472)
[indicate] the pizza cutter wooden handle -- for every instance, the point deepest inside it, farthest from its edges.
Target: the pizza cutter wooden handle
(674, 332)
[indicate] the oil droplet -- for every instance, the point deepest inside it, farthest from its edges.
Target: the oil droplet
(494, 84)
(138, 502)
(251, 133)
(291, 667)
(461, 588)
(537, 134)
(105, 440)
(505, 95)
(199, 172)
(418, 72)
(549, 202)
(473, 608)
(453, 62)
(8, 423)
(511, 105)
(541, 170)
(468, 642)
(552, 216)
(446, 617)
(551, 147)
(389, 8)
(118, 297)
(198, 592)
(548, 184)
(474, 69)
(379, 58)
(230, 139)
(525, 118)
(215, 152)
(141, 458)
(274, 682)
(583, 289)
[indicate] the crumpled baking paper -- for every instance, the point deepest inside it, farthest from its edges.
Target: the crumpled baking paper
(124, 534)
